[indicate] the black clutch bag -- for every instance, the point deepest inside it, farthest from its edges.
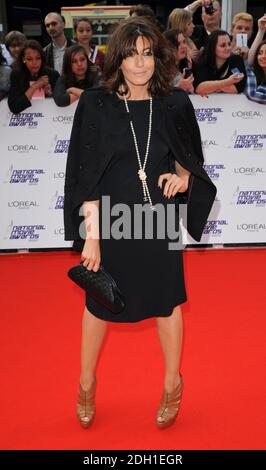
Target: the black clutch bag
(100, 285)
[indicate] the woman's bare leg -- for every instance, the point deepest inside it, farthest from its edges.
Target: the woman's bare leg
(93, 332)
(170, 330)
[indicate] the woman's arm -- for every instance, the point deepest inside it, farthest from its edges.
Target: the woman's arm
(60, 95)
(227, 85)
(258, 39)
(195, 5)
(91, 251)
(17, 100)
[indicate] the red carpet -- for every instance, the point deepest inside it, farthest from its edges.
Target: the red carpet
(224, 404)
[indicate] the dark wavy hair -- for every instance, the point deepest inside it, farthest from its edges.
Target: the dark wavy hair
(172, 36)
(209, 57)
(19, 65)
(141, 10)
(259, 72)
(67, 73)
(122, 44)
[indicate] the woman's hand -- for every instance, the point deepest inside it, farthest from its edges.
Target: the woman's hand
(91, 254)
(242, 51)
(75, 91)
(174, 184)
(42, 82)
(73, 98)
(262, 23)
(186, 83)
(48, 90)
(233, 79)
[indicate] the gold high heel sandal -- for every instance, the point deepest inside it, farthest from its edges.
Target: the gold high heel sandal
(169, 406)
(86, 405)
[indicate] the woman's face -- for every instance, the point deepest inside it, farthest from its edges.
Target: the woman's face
(139, 67)
(33, 61)
(79, 65)
(181, 52)
(223, 47)
(262, 57)
(189, 28)
(15, 48)
(84, 33)
(243, 26)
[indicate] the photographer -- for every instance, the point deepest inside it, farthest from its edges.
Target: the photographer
(211, 17)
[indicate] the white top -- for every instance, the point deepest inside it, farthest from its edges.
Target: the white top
(58, 53)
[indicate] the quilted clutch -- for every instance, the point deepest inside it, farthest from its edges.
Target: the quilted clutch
(100, 285)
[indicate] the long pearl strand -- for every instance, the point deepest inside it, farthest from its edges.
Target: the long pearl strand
(141, 172)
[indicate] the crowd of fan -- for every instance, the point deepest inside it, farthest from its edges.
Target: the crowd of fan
(208, 59)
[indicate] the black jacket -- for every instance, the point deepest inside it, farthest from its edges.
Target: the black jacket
(100, 124)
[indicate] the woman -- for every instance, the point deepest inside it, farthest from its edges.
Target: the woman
(76, 76)
(30, 77)
(129, 138)
(83, 35)
(182, 79)
(5, 72)
(219, 70)
(256, 76)
(183, 20)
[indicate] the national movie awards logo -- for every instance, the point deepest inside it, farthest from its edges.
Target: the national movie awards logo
(255, 198)
(247, 114)
(215, 227)
(30, 120)
(57, 202)
(24, 232)
(59, 146)
(29, 176)
(247, 141)
(209, 115)
(214, 171)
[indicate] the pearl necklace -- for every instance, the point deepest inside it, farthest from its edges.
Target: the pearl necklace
(141, 172)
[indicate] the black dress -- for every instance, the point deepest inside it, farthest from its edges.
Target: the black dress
(148, 273)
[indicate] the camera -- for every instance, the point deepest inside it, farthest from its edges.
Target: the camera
(209, 10)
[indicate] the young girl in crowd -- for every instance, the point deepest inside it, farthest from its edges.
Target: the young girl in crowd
(256, 77)
(184, 77)
(219, 70)
(29, 77)
(14, 42)
(83, 35)
(76, 76)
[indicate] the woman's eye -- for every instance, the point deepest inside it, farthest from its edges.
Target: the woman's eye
(148, 53)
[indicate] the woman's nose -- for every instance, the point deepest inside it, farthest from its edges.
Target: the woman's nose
(138, 60)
